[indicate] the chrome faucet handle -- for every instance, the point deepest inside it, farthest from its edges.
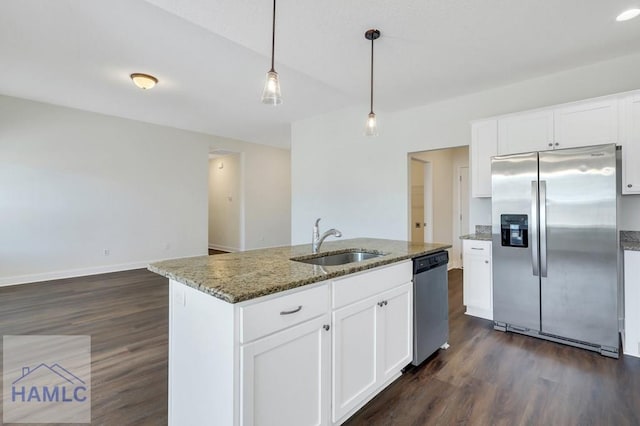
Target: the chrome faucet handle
(317, 222)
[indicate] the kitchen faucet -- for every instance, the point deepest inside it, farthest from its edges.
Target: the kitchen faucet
(317, 239)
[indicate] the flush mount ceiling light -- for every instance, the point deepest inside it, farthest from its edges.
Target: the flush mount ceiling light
(143, 81)
(628, 14)
(371, 128)
(271, 93)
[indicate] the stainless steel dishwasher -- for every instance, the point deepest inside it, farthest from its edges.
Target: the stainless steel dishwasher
(430, 305)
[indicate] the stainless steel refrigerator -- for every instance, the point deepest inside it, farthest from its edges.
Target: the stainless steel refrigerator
(555, 246)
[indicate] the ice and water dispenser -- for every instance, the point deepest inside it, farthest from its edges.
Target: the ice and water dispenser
(514, 230)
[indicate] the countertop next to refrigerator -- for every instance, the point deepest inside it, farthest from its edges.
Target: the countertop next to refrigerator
(630, 240)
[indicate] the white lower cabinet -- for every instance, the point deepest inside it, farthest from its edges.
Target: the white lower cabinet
(286, 377)
(632, 303)
(372, 342)
(477, 292)
(288, 358)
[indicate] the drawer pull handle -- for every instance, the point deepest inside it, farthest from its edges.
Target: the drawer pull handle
(476, 248)
(293, 311)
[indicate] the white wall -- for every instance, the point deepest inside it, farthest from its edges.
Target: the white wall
(225, 203)
(266, 192)
(359, 184)
(75, 183)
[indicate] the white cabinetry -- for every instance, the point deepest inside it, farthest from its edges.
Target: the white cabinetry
(477, 278)
(372, 338)
(289, 365)
(273, 360)
(525, 132)
(630, 133)
(484, 145)
(584, 123)
(632, 303)
(286, 376)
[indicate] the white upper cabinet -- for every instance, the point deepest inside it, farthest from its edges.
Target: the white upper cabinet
(630, 135)
(484, 145)
(586, 123)
(526, 132)
(597, 121)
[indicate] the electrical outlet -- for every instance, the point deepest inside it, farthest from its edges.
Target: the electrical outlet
(106, 252)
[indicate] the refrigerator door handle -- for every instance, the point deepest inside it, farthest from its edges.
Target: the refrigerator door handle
(543, 228)
(534, 227)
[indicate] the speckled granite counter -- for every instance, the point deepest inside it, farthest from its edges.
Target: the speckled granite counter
(236, 277)
(630, 240)
(483, 233)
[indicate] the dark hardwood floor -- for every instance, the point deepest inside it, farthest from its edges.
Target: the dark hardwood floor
(126, 315)
(485, 378)
(488, 377)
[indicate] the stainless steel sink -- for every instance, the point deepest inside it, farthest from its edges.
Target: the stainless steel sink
(334, 259)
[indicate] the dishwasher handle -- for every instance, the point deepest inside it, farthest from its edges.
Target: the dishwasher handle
(430, 261)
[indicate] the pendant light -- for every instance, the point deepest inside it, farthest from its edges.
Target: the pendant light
(271, 93)
(371, 128)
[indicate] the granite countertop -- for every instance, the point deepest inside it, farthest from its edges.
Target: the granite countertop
(483, 233)
(236, 277)
(630, 240)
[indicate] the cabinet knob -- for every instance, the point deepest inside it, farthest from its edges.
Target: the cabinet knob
(386, 303)
(326, 327)
(486, 261)
(550, 144)
(629, 185)
(556, 144)
(381, 304)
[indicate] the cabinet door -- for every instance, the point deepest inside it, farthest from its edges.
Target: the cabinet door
(632, 303)
(631, 145)
(526, 132)
(484, 145)
(478, 285)
(355, 370)
(586, 124)
(285, 377)
(395, 331)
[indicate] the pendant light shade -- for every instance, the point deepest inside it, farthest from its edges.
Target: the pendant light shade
(371, 128)
(271, 93)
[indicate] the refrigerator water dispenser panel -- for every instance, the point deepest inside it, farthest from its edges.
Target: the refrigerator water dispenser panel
(515, 230)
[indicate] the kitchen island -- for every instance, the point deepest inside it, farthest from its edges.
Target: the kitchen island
(257, 338)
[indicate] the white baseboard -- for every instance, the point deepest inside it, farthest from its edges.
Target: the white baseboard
(223, 248)
(72, 273)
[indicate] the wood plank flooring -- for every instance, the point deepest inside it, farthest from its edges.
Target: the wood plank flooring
(485, 378)
(488, 377)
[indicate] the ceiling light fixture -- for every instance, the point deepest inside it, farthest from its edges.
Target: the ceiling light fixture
(628, 14)
(371, 128)
(271, 93)
(144, 81)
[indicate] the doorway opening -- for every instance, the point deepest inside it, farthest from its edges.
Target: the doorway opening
(439, 198)
(226, 204)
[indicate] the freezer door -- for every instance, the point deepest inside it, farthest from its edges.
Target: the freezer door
(579, 245)
(516, 282)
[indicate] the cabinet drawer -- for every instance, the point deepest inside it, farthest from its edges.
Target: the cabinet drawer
(472, 247)
(360, 286)
(275, 314)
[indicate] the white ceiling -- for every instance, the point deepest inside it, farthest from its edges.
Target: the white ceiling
(211, 55)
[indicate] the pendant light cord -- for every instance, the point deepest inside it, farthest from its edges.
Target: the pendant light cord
(371, 112)
(273, 36)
